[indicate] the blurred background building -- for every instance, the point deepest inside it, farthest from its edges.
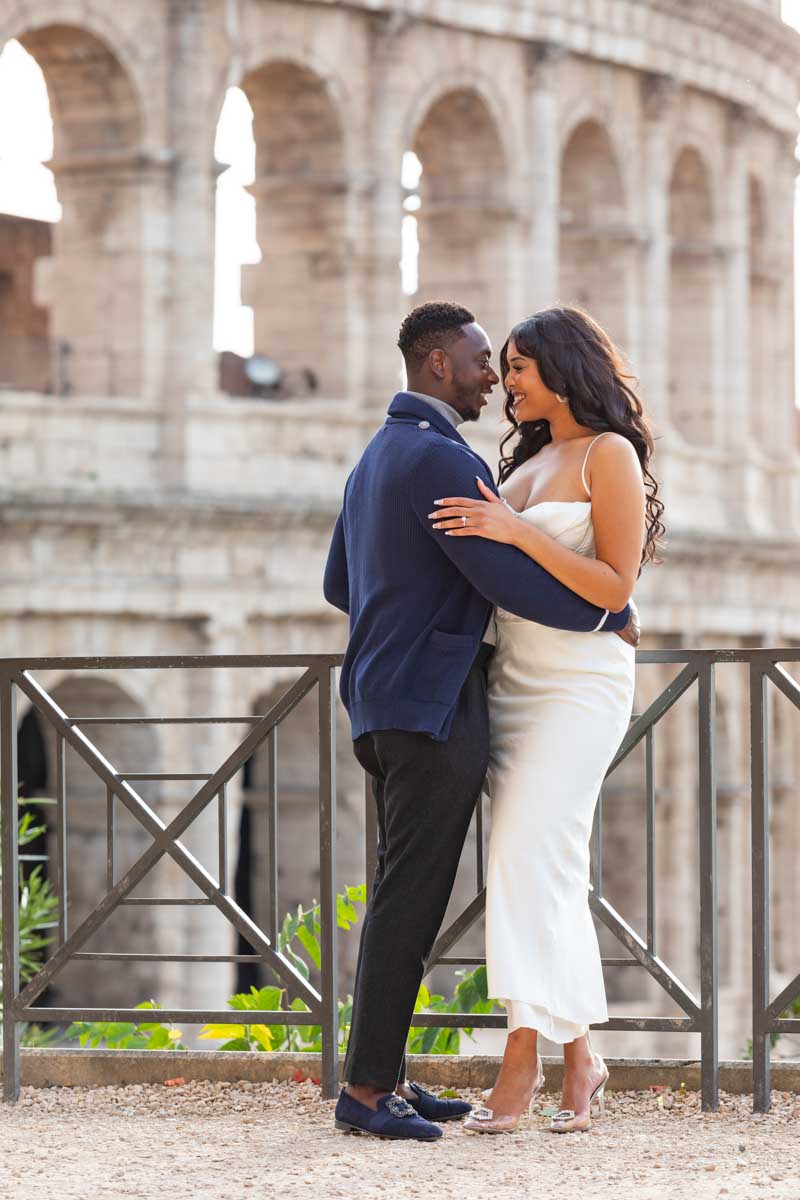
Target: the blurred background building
(166, 491)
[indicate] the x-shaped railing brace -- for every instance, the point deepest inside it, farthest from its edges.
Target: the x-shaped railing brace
(164, 837)
(613, 920)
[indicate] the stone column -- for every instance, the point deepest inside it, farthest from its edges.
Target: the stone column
(631, 251)
(659, 100)
(781, 252)
(732, 403)
(156, 272)
(543, 202)
(382, 211)
(189, 307)
(305, 192)
(93, 282)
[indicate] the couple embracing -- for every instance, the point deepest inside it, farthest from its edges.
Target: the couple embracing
(491, 644)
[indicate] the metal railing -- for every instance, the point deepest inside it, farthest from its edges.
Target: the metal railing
(19, 1003)
(700, 1013)
(765, 669)
(695, 674)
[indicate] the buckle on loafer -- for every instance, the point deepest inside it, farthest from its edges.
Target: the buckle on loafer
(399, 1107)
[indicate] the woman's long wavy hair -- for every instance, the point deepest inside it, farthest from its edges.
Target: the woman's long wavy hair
(578, 360)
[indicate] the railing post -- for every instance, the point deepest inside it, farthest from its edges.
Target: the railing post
(61, 841)
(273, 918)
(9, 787)
(327, 874)
(709, 1010)
(759, 834)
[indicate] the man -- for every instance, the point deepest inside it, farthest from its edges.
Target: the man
(414, 684)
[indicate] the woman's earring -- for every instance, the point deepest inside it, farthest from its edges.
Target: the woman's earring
(561, 399)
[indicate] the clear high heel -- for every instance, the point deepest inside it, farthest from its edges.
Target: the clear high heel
(483, 1120)
(568, 1121)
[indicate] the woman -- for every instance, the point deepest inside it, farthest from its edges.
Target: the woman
(578, 497)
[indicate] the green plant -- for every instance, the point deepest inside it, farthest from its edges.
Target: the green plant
(792, 1011)
(37, 907)
(471, 995)
(125, 1035)
(299, 942)
(38, 1037)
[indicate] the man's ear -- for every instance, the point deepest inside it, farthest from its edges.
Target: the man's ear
(438, 363)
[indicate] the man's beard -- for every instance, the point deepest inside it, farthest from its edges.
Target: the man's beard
(463, 396)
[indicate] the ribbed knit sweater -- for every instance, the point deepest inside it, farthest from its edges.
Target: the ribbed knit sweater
(419, 602)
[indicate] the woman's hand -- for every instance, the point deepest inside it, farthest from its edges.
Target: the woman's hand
(489, 518)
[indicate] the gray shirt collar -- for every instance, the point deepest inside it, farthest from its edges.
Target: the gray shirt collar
(442, 407)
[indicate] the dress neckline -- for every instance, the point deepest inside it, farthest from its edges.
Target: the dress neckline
(544, 503)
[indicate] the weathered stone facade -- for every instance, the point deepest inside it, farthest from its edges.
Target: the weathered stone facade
(634, 157)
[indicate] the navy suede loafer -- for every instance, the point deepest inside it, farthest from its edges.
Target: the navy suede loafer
(395, 1118)
(433, 1109)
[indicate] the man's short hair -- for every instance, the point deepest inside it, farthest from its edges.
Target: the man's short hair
(430, 327)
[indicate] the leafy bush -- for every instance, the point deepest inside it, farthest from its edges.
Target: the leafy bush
(125, 1035)
(471, 995)
(299, 933)
(37, 908)
(299, 942)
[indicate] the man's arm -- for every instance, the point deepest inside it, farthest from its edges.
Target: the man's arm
(500, 572)
(336, 583)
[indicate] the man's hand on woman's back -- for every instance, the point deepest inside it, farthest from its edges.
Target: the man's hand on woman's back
(633, 630)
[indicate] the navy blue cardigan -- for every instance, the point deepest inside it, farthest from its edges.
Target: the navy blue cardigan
(419, 602)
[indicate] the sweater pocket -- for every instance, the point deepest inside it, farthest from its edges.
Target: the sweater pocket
(450, 643)
(443, 666)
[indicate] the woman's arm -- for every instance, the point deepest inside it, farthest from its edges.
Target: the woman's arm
(503, 574)
(618, 516)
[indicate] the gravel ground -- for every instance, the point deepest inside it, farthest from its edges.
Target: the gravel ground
(218, 1141)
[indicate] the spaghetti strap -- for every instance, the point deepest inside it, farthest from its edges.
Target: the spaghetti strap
(586, 459)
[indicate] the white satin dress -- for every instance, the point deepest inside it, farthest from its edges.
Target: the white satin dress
(559, 706)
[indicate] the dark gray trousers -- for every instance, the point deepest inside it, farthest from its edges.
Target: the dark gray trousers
(425, 792)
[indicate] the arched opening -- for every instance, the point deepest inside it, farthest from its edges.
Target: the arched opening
(236, 244)
(297, 773)
(410, 176)
(763, 310)
(28, 208)
(595, 251)
(463, 215)
(132, 928)
(299, 289)
(32, 772)
(691, 295)
(89, 282)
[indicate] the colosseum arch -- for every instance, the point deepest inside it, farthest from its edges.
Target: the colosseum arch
(763, 300)
(129, 748)
(302, 200)
(691, 298)
(465, 216)
(594, 270)
(298, 821)
(92, 283)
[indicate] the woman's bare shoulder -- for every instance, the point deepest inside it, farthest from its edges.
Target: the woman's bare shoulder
(612, 450)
